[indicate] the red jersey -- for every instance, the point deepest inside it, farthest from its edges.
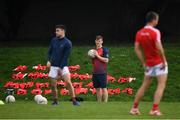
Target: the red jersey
(100, 67)
(147, 37)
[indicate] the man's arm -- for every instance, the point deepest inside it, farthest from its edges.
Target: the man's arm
(161, 51)
(160, 47)
(49, 55)
(139, 53)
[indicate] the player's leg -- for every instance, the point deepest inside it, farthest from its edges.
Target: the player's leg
(70, 87)
(97, 86)
(146, 83)
(99, 94)
(54, 90)
(67, 78)
(160, 88)
(103, 84)
(53, 74)
(162, 73)
(105, 94)
(158, 94)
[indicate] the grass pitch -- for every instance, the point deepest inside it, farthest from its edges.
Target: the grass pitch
(87, 110)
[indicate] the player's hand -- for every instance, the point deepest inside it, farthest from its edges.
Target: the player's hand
(48, 64)
(164, 65)
(95, 53)
(144, 65)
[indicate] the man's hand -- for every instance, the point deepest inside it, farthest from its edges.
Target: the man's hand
(48, 64)
(164, 65)
(96, 53)
(144, 65)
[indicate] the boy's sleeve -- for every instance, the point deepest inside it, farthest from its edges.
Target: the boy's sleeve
(105, 53)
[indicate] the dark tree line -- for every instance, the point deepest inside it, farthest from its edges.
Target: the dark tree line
(117, 20)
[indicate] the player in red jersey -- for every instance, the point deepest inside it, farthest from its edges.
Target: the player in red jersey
(150, 52)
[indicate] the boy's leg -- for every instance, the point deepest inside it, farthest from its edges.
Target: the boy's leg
(105, 94)
(99, 94)
(95, 79)
(103, 85)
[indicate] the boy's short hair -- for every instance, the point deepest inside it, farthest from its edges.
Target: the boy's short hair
(99, 37)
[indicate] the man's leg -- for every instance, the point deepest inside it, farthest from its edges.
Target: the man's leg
(99, 94)
(53, 75)
(105, 94)
(54, 90)
(146, 83)
(67, 79)
(159, 92)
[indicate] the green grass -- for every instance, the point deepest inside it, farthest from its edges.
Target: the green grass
(87, 110)
(123, 62)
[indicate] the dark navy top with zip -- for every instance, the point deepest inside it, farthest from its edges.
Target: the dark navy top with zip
(59, 51)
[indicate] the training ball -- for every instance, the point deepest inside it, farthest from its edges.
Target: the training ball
(10, 99)
(91, 53)
(42, 100)
(36, 97)
(1, 102)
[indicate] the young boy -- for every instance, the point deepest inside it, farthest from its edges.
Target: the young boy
(100, 70)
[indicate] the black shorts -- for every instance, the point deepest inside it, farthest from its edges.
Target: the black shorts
(99, 80)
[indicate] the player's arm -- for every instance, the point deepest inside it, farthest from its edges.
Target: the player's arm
(49, 55)
(104, 58)
(161, 52)
(160, 47)
(139, 53)
(66, 53)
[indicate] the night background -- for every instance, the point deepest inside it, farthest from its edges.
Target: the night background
(33, 21)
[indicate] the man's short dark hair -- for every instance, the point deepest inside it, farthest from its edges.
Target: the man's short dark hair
(151, 16)
(61, 27)
(99, 37)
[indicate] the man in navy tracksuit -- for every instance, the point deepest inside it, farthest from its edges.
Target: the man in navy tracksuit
(59, 51)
